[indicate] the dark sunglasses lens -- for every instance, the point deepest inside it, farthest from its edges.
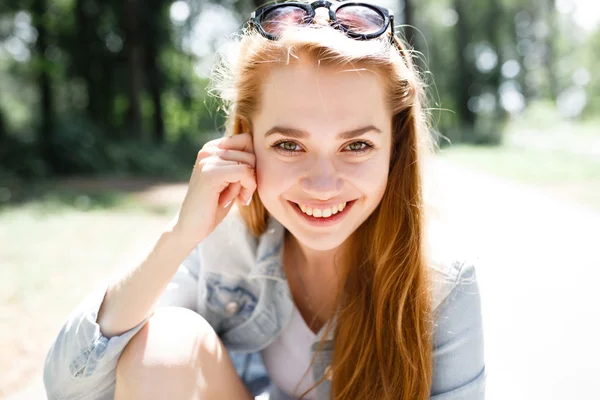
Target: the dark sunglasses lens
(278, 19)
(360, 19)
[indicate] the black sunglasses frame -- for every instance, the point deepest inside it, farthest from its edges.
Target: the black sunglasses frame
(388, 17)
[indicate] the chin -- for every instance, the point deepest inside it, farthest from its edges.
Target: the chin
(320, 239)
(320, 242)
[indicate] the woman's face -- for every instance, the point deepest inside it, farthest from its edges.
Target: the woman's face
(322, 137)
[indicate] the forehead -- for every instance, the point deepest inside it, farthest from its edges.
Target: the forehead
(323, 99)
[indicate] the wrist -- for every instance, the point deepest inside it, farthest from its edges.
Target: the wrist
(175, 237)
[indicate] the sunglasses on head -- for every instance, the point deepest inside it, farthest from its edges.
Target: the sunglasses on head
(362, 21)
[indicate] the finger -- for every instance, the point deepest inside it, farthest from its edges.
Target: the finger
(222, 176)
(208, 149)
(213, 162)
(246, 177)
(236, 155)
(245, 196)
(229, 194)
(241, 141)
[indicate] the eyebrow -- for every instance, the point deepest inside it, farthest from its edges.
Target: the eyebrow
(300, 134)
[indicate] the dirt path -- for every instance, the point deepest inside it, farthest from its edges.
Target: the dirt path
(539, 268)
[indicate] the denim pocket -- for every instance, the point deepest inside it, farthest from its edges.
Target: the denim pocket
(232, 297)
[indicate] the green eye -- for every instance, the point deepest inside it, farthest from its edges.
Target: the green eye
(287, 147)
(292, 148)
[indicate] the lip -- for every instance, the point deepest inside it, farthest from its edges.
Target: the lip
(322, 222)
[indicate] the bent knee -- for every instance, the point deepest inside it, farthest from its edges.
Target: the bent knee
(172, 338)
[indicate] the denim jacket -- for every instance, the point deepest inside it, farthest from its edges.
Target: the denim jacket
(237, 283)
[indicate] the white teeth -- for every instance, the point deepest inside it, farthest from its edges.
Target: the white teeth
(324, 213)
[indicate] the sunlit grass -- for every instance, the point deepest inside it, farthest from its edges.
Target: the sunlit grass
(46, 231)
(563, 160)
(532, 166)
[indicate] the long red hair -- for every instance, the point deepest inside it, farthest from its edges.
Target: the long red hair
(385, 288)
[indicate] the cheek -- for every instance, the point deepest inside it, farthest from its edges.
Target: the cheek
(264, 168)
(275, 176)
(369, 176)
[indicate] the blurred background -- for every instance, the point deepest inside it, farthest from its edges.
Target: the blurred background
(104, 105)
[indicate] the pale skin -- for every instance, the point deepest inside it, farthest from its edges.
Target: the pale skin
(177, 352)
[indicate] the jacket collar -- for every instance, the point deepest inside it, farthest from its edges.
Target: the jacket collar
(269, 253)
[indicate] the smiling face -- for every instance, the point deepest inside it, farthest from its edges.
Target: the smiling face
(322, 138)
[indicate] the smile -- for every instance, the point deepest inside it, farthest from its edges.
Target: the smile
(322, 213)
(325, 216)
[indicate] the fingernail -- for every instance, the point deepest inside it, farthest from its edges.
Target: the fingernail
(249, 200)
(228, 203)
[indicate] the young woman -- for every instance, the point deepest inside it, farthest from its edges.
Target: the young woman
(328, 278)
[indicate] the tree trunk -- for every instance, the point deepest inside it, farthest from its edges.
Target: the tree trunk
(527, 91)
(83, 55)
(551, 49)
(3, 131)
(46, 129)
(136, 67)
(463, 75)
(409, 22)
(155, 84)
(495, 18)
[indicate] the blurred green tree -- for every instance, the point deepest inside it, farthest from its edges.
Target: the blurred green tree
(87, 83)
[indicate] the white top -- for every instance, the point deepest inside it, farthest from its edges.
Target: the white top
(288, 357)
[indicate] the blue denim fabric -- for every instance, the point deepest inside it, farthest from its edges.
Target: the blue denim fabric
(237, 283)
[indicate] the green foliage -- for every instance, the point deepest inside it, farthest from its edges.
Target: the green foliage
(20, 160)
(590, 53)
(82, 153)
(162, 161)
(115, 87)
(79, 145)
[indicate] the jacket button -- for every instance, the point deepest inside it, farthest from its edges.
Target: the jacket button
(231, 308)
(328, 373)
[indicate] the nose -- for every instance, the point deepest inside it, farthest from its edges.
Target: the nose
(322, 182)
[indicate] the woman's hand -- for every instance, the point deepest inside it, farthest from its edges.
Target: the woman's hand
(224, 170)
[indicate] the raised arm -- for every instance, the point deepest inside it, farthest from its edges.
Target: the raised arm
(81, 362)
